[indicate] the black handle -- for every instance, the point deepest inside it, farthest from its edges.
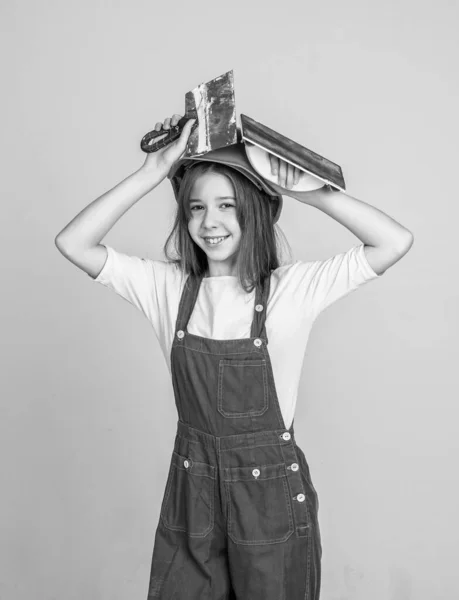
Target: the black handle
(170, 135)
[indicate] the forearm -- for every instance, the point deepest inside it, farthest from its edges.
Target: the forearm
(92, 224)
(369, 224)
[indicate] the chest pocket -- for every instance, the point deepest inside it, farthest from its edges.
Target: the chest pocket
(242, 387)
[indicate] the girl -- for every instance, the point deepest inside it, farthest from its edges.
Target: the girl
(239, 515)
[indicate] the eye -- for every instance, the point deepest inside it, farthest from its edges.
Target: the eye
(200, 205)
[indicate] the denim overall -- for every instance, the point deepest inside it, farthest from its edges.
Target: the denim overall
(239, 515)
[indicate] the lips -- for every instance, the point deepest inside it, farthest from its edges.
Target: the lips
(222, 239)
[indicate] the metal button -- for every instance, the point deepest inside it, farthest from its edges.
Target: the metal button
(259, 307)
(186, 464)
(286, 435)
(300, 497)
(256, 472)
(294, 467)
(257, 342)
(180, 334)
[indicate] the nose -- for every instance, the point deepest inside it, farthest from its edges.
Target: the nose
(209, 218)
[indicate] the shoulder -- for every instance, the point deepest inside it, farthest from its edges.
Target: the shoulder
(122, 266)
(352, 262)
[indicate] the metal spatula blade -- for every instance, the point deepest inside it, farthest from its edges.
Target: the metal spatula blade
(316, 170)
(213, 105)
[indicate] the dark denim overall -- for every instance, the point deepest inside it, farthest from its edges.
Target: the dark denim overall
(239, 516)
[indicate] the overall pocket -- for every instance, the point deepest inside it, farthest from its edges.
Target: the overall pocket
(242, 387)
(259, 505)
(188, 503)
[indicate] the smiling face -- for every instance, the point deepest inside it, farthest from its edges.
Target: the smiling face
(213, 214)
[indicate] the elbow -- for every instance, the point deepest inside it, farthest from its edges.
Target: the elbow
(406, 242)
(404, 246)
(60, 244)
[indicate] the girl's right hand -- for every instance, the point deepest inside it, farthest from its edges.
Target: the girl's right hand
(160, 162)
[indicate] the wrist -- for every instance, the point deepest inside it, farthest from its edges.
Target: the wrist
(150, 177)
(313, 197)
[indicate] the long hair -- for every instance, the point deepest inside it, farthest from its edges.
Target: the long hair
(260, 245)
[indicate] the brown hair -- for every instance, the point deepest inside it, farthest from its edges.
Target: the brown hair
(259, 245)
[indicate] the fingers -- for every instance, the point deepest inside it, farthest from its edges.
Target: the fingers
(274, 164)
(186, 131)
(296, 177)
(168, 122)
(178, 148)
(283, 173)
(288, 175)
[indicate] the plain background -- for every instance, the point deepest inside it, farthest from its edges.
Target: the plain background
(87, 412)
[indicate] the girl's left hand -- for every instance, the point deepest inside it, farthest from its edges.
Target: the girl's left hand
(287, 174)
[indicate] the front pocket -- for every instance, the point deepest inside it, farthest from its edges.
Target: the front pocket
(242, 387)
(188, 503)
(259, 504)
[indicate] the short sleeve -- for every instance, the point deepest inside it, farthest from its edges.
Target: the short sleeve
(135, 279)
(323, 282)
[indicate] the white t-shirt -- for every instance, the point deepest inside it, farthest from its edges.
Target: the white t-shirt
(299, 292)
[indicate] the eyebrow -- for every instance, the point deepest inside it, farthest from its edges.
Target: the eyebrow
(218, 198)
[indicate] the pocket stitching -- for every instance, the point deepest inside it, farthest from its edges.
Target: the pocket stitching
(211, 476)
(233, 363)
(261, 542)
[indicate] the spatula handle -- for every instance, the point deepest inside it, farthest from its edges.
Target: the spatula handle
(168, 136)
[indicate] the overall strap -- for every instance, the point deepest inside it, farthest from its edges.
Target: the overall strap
(258, 329)
(187, 301)
(190, 295)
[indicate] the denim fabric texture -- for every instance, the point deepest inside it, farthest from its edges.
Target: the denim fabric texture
(239, 515)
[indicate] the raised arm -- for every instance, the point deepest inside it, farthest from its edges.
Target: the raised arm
(386, 241)
(80, 239)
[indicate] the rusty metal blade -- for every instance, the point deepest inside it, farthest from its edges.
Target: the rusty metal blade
(213, 104)
(290, 151)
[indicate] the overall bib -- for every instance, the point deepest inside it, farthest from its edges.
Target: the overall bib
(239, 516)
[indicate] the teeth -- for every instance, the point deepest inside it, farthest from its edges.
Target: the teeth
(215, 240)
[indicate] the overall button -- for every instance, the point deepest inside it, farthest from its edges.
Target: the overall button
(259, 307)
(180, 334)
(286, 436)
(300, 497)
(294, 467)
(186, 464)
(257, 342)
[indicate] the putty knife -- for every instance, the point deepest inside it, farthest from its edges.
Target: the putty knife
(316, 171)
(213, 104)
